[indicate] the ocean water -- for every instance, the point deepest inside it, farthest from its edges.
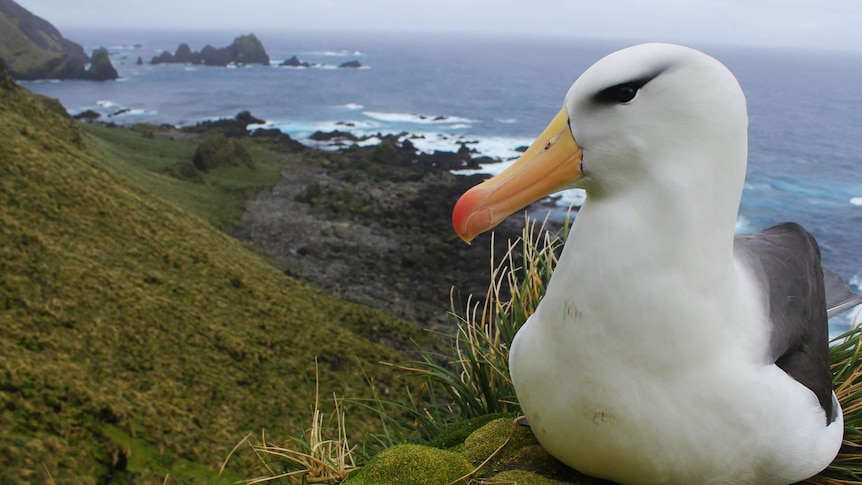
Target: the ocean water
(497, 94)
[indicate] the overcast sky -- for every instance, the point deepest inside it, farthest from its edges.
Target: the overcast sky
(811, 23)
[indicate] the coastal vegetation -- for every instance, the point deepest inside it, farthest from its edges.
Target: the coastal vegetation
(32, 48)
(139, 341)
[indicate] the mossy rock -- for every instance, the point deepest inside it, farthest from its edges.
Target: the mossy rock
(412, 465)
(500, 450)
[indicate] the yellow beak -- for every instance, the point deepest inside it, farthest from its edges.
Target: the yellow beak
(552, 163)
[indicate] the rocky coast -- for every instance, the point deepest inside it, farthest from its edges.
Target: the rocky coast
(371, 224)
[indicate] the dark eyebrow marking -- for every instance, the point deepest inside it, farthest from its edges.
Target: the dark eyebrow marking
(609, 95)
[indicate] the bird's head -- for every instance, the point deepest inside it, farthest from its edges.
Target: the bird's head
(638, 115)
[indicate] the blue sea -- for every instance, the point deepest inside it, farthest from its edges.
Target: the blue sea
(497, 94)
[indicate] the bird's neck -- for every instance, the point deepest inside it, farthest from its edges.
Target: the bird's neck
(657, 225)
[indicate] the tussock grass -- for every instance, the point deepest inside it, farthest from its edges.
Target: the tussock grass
(846, 356)
(311, 459)
(478, 383)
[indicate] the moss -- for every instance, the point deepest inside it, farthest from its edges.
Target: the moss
(520, 477)
(412, 465)
(457, 433)
(521, 451)
(501, 449)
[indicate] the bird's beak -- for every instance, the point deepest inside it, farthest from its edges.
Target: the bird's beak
(552, 163)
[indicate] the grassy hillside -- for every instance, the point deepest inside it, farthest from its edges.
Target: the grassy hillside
(31, 48)
(135, 339)
(163, 166)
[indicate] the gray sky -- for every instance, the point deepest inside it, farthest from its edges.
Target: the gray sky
(811, 23)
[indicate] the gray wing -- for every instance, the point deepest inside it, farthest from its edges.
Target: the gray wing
(839, 296)
(786, 260)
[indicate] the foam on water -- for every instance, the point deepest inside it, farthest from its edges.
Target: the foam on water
(856, 201)
(340, 53)
(417, 118)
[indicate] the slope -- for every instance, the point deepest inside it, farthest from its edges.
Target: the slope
(32, 48)
(136, 340)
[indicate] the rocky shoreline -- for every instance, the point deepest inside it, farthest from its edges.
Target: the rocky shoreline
(369, 224)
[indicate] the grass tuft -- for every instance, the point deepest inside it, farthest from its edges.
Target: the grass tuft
(313, 458)
(477, 383)
(846, 357)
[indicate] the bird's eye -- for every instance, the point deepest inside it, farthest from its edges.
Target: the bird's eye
(625, 93)
(619, 94)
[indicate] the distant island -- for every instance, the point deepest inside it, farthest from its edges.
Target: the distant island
(245, 49)
(295, 62)
(31, 48)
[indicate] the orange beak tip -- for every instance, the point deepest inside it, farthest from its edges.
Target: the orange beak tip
(464, 211)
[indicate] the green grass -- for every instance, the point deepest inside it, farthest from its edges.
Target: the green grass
(124, 316)
(142, 457)
(20, 52)
(218, 196)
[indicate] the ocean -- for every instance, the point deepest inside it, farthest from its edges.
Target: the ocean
(497, 94)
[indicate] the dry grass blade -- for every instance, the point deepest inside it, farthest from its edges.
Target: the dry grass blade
(312, 459)
(485, 462)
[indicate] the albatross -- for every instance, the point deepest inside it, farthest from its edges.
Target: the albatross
(666, 349)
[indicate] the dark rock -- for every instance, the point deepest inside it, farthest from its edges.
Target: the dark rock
(184, 54)
(333, 135)
(245, 49)
(119, 112)
(210, 56)
(164, 57)
(294, 62)
(353, 64)
(279, 141)
(101, 68)
(87, 115)
(236, 127)
(140, 61)
(137, 46)
(247, 118)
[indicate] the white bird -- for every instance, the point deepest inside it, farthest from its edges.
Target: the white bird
(666, 350)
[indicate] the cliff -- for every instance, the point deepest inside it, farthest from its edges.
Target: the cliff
(32, 48)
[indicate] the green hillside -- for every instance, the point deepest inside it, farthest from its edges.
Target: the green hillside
(32, 48)
(136, 340)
